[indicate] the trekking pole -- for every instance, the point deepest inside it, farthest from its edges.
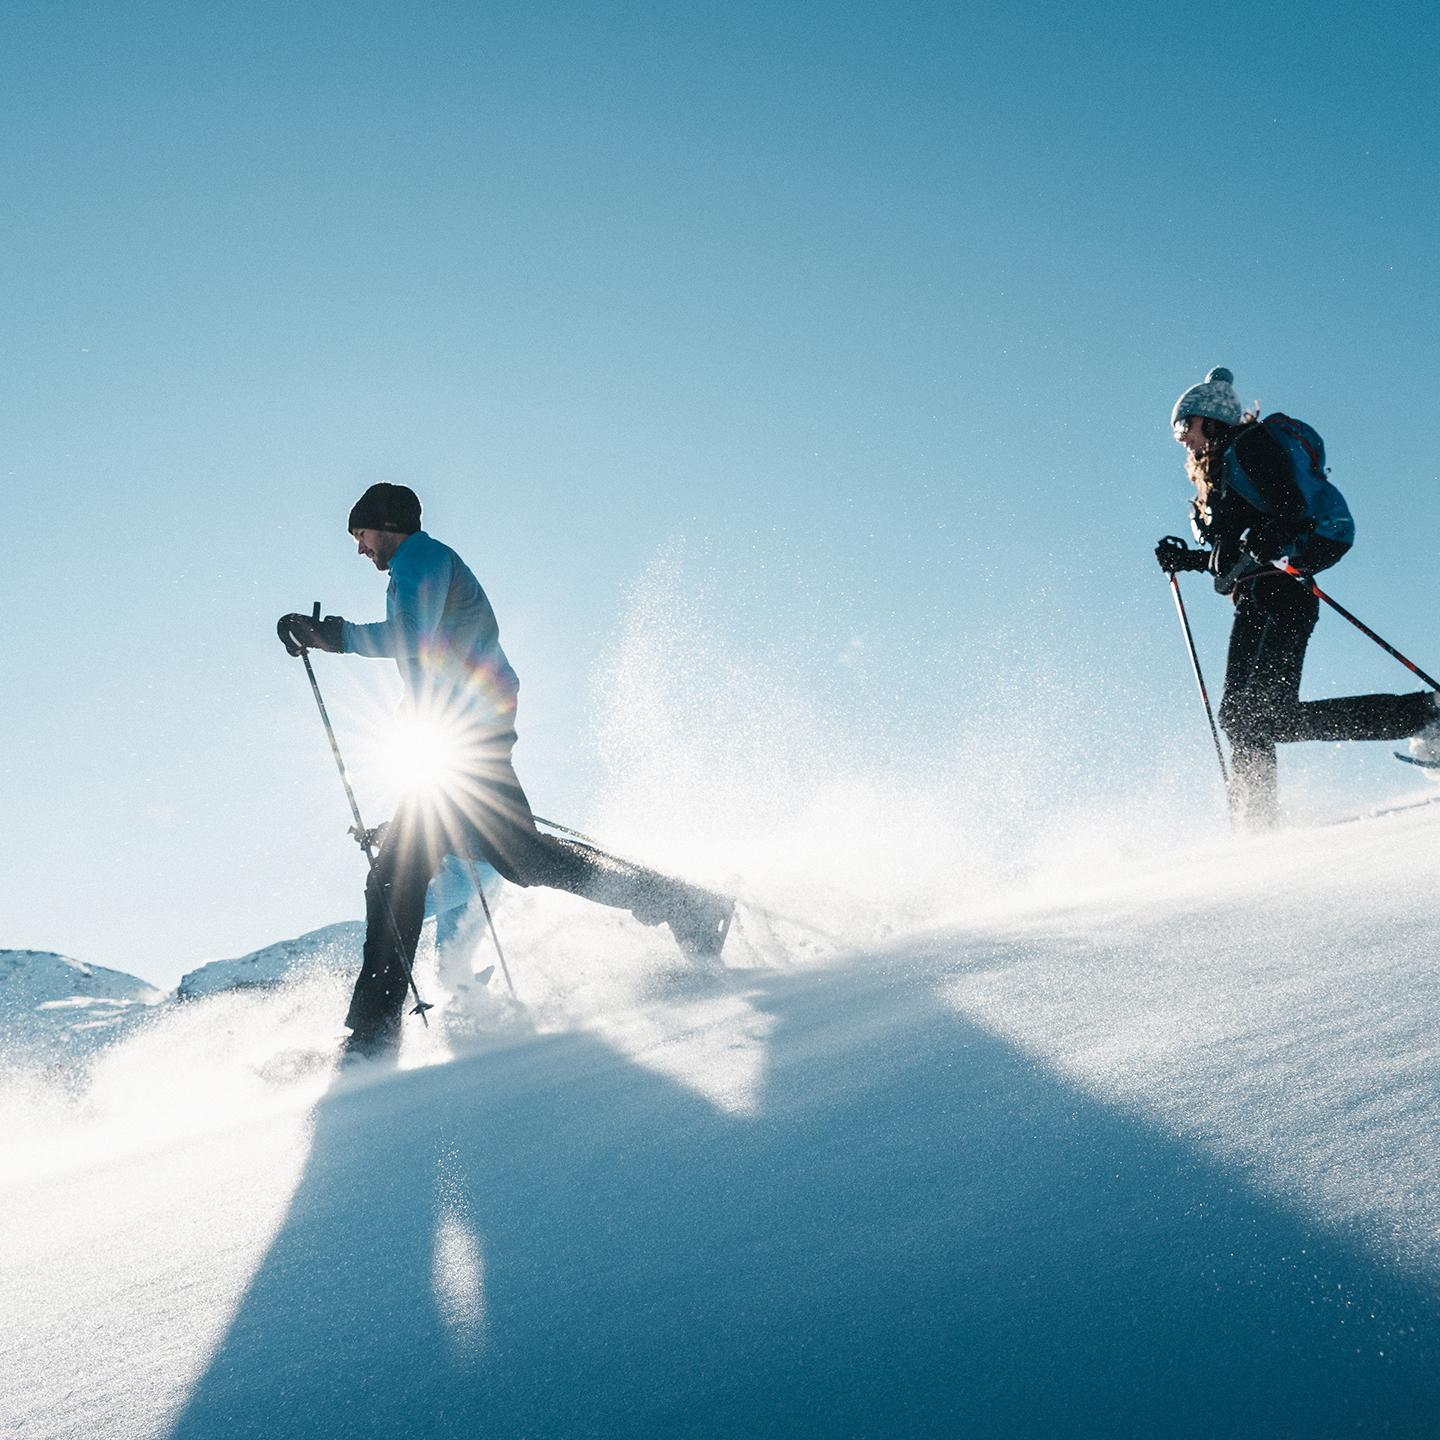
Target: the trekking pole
(1199, 678)
(362, 834)
(490, 921)
(586, 840)
(1308, 581)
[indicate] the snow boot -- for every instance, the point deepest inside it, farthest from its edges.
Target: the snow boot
(1425, 744)
(700, 921)
(378, 1045)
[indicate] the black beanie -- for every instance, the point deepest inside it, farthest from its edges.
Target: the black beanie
(387, 507)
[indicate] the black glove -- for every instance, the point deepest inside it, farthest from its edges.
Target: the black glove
(371, 839)
(1174, 555)
(303, 632)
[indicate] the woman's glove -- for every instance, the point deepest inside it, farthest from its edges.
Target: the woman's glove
(1174, 555)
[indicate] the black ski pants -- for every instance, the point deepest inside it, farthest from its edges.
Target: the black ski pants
(485, 814)
(1261, 706)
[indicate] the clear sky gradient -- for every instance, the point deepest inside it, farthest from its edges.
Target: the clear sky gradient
(871, 314)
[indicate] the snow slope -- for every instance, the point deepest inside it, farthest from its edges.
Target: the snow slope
(55, 1010)
(333, 947)
(1143, 1145)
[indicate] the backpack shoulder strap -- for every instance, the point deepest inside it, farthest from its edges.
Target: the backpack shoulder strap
(1298, 432)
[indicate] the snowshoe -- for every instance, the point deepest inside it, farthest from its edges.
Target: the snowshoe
(1425, 744)
(700, 922)
(1416, 760)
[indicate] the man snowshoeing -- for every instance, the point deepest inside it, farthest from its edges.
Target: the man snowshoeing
(441, 632)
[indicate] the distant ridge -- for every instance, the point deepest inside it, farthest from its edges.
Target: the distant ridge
(55, 1010)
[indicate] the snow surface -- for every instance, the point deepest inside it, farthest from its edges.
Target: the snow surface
(1138, 1143)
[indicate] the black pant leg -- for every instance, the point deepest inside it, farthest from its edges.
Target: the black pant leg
(1357, 717)
(493, 820)
(650, 896)
(408, 860)
(526, 857)
(490, 818)
(1273, 624)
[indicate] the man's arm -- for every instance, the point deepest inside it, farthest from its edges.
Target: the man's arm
(414, 606)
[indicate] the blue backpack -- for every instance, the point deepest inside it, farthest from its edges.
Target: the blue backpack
(1327, 517)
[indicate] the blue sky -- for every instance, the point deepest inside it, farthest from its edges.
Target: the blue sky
(872, 314)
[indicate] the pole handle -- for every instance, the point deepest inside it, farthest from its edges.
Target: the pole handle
(315, 611)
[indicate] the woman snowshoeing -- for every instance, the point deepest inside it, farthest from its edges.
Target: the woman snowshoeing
(1262, 493)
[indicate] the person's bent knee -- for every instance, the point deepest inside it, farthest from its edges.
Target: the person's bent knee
(1247, 730)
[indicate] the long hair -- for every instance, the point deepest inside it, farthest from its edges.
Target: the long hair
(1207, 469)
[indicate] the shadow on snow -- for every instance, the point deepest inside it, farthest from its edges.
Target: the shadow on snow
(922, 1232)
